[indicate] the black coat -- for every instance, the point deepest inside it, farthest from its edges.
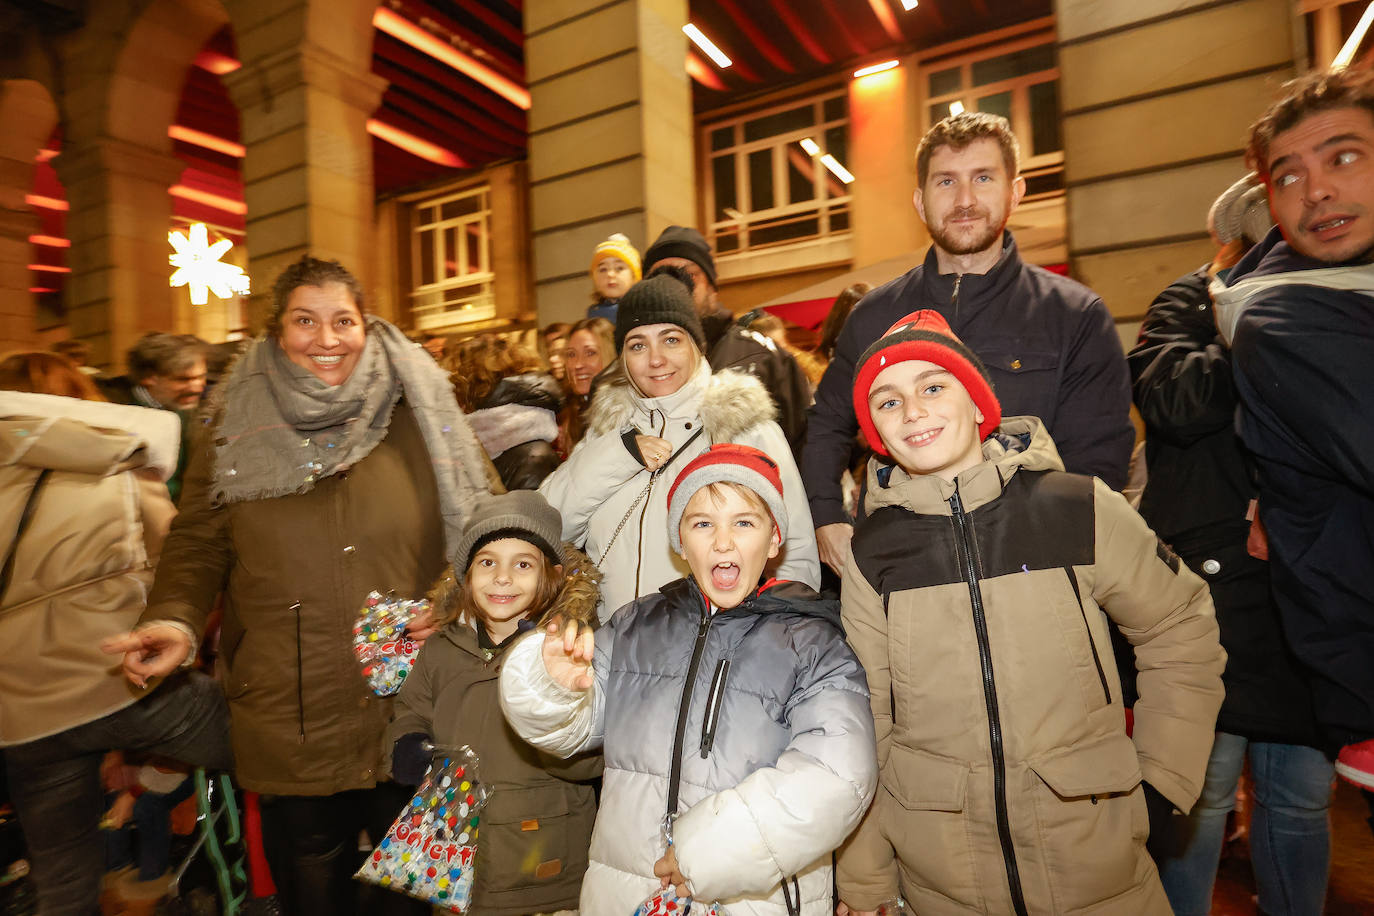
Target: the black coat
(729, 346)
(1196, 500)
(1305, 376)
(518, 424)
(1049, 345)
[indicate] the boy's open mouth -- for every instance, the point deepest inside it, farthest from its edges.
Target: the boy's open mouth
(725, 576)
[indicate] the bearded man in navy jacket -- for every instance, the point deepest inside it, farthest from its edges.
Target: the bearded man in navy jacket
(1048, 343)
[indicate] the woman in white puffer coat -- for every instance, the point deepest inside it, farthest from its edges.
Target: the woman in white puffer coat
(657, 407)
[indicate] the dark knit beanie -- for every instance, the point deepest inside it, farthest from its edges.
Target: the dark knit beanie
(682, 242)
(522, 514)
(658, 300)
(924, 335)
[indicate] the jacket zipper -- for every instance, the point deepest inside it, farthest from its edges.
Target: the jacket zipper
(965, 551)
(685, 703)
(300, 677)
(954, 296)
(1097, 660)
(714, 699)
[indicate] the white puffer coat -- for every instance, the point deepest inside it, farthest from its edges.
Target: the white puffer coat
(778, 756)
(596, 488)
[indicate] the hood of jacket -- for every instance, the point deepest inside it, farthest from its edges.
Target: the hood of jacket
(1020, 442)
(727, 402)
(505, 426)
(576, 600)
(86, 437)
(776, 596)
(1273, 263)
(532, 389)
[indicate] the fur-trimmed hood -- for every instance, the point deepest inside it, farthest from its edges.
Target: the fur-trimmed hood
(577, 599)
(728, 404)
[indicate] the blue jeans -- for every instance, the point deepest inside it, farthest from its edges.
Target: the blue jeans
(153, 818)
(1290, 840)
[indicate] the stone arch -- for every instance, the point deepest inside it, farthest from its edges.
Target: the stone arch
(28, 115)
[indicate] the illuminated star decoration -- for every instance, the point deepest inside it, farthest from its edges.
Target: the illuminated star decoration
(199, 267)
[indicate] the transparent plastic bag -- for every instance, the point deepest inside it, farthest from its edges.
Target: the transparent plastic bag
(380, 643)
(430, 850)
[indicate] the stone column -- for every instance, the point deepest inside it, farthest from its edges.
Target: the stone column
(884, 129)
(118, 223)
(610, 136)
(308, 171)
(1157, 97)
(16, 302)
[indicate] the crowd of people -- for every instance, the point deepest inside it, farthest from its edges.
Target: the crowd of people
(842, 629)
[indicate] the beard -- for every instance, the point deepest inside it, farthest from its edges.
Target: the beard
(967, 242)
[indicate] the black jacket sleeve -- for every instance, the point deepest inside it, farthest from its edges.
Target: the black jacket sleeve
(1093, 424)
(832, 426)
(525, 466)
(1181, 369)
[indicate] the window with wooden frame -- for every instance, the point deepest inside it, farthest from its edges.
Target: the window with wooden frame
(777, 175)
(451, 260)
(1020, 82)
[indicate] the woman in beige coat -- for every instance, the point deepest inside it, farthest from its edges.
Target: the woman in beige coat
(83, 514)
(334, 462)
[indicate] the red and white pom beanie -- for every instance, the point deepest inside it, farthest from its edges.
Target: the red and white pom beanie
(924, 335)
(727, 463)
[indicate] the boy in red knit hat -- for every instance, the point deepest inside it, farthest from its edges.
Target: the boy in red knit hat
(981, 583)
(735, 709)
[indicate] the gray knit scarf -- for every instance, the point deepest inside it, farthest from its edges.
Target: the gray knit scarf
(281, 429)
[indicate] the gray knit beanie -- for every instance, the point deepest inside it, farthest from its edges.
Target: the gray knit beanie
(522, 514)
(1242, 211)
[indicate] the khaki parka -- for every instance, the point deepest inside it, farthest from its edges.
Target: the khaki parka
(981, 612)
(295, 571)
(87, 474)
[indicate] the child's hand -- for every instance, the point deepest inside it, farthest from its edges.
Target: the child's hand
(568, 653)
(120, 811)
(844, 910)
(666, 870)
(421, 626)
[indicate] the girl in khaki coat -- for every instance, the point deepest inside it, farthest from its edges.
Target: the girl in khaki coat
(979, 593)
(537, 824)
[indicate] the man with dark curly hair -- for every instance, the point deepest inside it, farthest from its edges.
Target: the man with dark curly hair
(1300, 310)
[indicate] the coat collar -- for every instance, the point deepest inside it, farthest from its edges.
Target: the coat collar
(1020, 442)
(975, 290)
(727, 403)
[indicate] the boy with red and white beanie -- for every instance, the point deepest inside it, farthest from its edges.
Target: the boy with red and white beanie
(979, 592)
(736, 709)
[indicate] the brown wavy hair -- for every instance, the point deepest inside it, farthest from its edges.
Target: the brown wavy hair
(958, 131)
(480, 362)
(1305, 96)
(46, 373)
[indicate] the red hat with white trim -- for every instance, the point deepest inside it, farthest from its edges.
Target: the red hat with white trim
(924, 335)
(727, 463)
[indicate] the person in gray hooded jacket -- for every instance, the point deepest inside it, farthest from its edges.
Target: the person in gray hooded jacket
(738, 710)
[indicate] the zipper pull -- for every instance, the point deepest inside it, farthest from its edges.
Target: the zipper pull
(955, 505)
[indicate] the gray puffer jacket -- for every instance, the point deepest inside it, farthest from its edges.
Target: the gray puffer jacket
(778, 757)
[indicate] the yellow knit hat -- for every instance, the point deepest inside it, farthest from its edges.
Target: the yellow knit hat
(617, 246)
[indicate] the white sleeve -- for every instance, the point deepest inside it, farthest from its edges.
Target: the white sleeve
(598, 467)
(801, 561)
(549, 716)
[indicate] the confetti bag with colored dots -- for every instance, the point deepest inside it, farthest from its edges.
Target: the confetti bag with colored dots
(429, 852)
(380, 643)
(666, 902)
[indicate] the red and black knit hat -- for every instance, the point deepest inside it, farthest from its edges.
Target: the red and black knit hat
(924, 335)
(727, 463)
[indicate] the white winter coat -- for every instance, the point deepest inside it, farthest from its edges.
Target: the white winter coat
(598, 484)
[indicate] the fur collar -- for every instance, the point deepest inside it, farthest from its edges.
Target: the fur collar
(730, 403)
(504, 427)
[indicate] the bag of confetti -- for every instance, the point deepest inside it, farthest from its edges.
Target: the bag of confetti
(666, 902)
(429, 852)
(380, 643)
